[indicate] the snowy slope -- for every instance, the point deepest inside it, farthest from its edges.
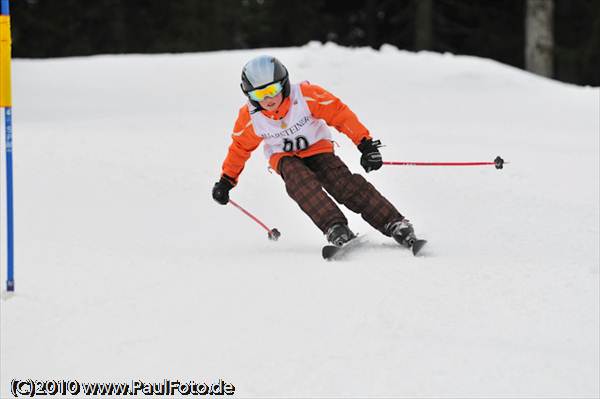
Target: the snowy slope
(127, 269)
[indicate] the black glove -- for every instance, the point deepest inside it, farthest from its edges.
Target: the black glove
(371, 157)
(221, 189)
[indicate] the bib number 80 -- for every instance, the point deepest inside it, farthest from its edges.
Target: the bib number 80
(299, 144)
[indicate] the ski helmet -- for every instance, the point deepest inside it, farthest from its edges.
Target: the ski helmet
(262, 71)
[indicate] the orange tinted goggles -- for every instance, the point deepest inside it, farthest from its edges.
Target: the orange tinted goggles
(268, 91)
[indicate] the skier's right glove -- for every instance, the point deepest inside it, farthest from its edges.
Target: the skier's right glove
(221, 189)
(371, 157)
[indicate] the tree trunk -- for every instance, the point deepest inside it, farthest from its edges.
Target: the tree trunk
(371, 23)
(424, 25)
(539, 41)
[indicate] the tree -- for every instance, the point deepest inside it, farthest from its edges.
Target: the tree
(424, 25)
(539, 40)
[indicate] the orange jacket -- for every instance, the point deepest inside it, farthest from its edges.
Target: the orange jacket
(322, 105)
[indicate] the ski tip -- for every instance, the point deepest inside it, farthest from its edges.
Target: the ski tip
(329, 251)
(417, 246)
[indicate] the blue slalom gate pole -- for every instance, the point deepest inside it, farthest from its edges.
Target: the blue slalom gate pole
(10, 243)
(6, 103)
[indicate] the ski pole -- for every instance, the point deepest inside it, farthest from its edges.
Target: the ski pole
(274, 234)
(498, 163)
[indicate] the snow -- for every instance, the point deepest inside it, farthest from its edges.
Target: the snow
(127, 269)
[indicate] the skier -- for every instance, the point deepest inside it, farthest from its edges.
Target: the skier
(291, 120)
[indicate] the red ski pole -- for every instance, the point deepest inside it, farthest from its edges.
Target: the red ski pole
(498, 163)
(274, 234)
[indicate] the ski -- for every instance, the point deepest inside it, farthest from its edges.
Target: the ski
(417, 245)
(331, 252)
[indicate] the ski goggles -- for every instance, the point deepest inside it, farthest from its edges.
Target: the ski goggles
(268, 91)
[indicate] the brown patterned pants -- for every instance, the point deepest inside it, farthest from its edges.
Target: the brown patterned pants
(305, 179)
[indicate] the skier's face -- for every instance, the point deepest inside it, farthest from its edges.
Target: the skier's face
(272, 103)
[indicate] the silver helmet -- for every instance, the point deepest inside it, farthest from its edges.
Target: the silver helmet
(260, 72)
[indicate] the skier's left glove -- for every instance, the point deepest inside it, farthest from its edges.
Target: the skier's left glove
(371, 157)
(220, 192)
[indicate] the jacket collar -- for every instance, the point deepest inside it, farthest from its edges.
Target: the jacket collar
(280, 112)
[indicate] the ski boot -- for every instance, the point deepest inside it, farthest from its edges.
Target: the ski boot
(404, 234)
(339, 234)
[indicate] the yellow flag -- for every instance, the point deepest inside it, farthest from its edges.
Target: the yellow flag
(5, 52)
